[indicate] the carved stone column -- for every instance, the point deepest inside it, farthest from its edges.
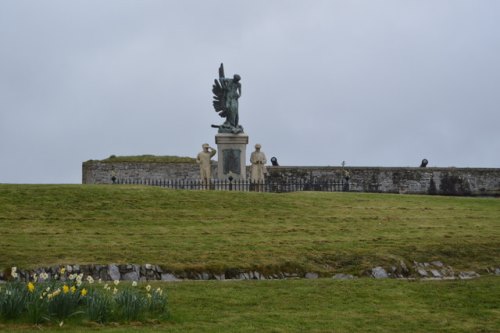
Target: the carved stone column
(231, 155)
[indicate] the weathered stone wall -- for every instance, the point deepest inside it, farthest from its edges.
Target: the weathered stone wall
(95, 172)
(449, 181)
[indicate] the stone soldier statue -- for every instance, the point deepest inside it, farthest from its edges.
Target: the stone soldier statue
(258, 169)
(203, 159)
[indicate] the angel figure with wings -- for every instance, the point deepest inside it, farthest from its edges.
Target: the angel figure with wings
(226, 94)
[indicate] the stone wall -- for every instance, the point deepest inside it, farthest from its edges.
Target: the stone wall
(96, 172)
(448, 181)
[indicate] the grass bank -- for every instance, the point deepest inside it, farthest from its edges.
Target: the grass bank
(323, 305)
(43, 225)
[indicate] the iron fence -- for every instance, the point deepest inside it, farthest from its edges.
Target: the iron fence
(243, 185)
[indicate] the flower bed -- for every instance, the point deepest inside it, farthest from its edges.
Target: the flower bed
(72, 296)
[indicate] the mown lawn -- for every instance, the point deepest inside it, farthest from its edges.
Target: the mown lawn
(43, 225)
(323, 305)
(211, 230)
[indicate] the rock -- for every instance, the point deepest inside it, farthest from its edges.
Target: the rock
(379, 273)
(169, 277)
(447, 271)
(113, 272)
(342, 276)
(205, 276)
(468, 275)
(311, 275)
(422, 272)
(404, 269)
(497, 271)
(437, 263)
(435, 273)
(148, 266)
(131, 276)
(219, 277)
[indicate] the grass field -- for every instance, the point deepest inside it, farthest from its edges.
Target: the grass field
(44, 225)
(208, 230)
(323, 305)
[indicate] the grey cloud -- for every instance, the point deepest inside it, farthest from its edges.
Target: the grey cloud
(369, 82)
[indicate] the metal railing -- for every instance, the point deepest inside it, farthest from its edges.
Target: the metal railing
(243, 185)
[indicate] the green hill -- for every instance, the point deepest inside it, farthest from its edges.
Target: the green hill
(44, 225)
(210, 230)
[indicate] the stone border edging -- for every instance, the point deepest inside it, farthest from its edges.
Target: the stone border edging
(435, 270)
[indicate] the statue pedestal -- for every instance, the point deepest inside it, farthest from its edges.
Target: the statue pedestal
(231, 155)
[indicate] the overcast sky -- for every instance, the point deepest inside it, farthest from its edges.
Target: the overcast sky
(372, 83)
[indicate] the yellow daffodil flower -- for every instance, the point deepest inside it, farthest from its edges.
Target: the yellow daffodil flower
(31, 287)
(65, 289)
(84, 292)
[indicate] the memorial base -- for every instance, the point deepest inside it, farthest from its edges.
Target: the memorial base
(231, 155)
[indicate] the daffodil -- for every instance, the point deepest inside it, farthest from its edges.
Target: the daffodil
(65, 289)
(62, 270)
(90, 279)
(73, 289)
(134, 284)
(115, 291)
(31, 287)
(84, 292)
(148, 288)
(116, 282)
(13, 272)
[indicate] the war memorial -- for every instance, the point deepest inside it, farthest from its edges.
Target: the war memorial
(231, 167)
(106, 256)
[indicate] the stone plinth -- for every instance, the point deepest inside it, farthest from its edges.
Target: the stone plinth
(231, 155)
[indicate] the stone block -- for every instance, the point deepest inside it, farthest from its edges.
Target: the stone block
(114, 272)
(231, 155)
(379, 273)
(169, 277)
(311, 275)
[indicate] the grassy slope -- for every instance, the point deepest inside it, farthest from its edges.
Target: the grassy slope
(323, 305)
(41, 225)
(326, 232)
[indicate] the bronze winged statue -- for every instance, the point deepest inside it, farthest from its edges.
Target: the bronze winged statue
(226, 94)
